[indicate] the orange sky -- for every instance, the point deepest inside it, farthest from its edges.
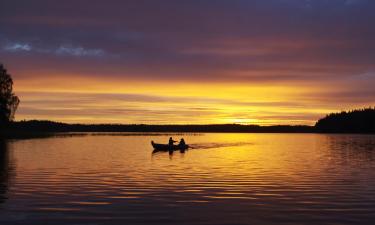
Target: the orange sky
(151, 102)
(196, 62)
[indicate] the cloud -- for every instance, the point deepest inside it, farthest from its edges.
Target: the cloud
(62, 50)
(143, 108)
(17, 47)
(78, 51)
(319, 44)
(354, 2)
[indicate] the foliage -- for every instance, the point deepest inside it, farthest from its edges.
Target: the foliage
(8, 100)
(50, 126)
(355, 121)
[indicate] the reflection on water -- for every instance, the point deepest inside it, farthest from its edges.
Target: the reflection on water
(6, 170)
(223, 179)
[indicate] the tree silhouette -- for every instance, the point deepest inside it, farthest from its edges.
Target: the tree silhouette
(8, 100)
(355, 121)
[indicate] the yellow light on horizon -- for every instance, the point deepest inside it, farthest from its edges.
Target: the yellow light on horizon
(89, 100)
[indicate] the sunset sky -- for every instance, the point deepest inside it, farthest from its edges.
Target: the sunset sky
(189, 61)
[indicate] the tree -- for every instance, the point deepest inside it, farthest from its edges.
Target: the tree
(355, 121)
(8, 100)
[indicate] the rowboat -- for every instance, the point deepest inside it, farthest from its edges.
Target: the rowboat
(164, 147)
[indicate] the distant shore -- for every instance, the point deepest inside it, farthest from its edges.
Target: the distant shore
(24, 129)
(356, 121)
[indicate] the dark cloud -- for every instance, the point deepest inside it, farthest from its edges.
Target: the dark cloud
(317, 43)
(185, 39)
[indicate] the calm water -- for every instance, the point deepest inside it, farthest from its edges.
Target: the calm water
(225, 179)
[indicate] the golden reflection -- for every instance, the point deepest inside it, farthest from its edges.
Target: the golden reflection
(256, 169)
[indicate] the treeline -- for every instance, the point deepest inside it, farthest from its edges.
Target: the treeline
(355, 121)
(50, 126)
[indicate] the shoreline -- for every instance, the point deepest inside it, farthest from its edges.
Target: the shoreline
(23, 135)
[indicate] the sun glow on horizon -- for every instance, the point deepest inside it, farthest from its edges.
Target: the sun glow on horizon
(163, 62)
(147, 102)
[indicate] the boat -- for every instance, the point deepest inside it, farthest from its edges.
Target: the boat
(164, 147)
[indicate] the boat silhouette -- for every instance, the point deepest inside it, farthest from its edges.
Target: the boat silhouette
(166, 147)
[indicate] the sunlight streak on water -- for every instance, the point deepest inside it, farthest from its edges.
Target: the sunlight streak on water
(224, 179)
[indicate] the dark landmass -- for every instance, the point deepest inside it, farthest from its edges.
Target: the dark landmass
(355, 121)
(50, 126)
(36, 128)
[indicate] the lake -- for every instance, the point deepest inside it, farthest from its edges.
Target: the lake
(224, 179)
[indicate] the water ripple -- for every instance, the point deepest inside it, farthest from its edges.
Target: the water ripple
(224, 179)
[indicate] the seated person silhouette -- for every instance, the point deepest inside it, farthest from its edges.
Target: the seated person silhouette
(171, 141)
(182, 143)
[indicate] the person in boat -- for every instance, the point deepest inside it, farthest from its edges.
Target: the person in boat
(171, 141)
(182, 143)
